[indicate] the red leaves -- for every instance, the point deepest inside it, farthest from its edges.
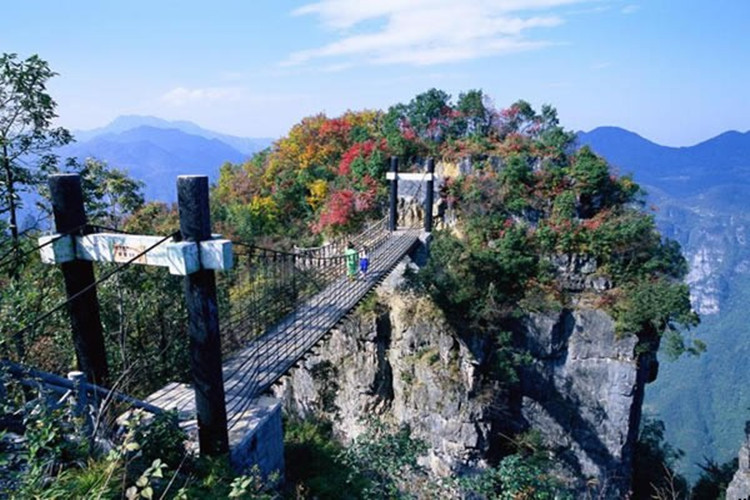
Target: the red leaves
(337, 211)
(357, 150)
(336, 128)
(344, 206)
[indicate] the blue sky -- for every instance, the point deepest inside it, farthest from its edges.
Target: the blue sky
(675, 72)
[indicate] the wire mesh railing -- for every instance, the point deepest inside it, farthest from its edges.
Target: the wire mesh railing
(371, 236)
(268, 356)
(141, 312)
(266, 285)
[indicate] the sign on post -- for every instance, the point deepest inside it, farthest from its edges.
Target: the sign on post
(182, 258)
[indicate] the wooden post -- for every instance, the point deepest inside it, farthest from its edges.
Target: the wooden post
(3, 390)
(85, 323)
(429, 195)
(393, 179)
(80, 392)
(203, 318)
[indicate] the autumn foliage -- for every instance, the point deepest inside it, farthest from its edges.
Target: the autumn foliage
(327, 175)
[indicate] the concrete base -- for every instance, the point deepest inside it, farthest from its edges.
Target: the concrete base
(258, 438)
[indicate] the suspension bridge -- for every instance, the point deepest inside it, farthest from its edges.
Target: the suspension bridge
(287, 302)
(319, 294)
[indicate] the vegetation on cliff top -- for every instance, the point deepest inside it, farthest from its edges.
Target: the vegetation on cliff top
(530, 199)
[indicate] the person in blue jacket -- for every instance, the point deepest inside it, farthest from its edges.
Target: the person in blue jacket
(364, 262)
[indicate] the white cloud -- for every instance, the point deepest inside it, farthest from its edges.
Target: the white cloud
(425, 32)
(181, 96)
(630, 9)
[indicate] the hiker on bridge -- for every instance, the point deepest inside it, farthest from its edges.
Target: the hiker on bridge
(364, 262)
(350, 257)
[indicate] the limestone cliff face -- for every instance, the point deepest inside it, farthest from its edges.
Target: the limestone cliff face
(401, 361)
(739, 488)
(583, 392)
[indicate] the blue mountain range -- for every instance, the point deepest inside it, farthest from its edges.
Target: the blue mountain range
(702, 199)
(156, 151)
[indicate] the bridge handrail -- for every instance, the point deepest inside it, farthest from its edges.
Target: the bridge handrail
(339, 244)
(57, 383)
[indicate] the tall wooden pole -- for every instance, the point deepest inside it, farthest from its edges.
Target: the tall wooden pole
(429, 195)
(393, 180)
(85, 323)
(203, 317)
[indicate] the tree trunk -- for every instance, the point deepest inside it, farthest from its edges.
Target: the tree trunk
(11, 209)
(18, 340)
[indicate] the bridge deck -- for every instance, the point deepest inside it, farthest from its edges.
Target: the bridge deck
(252, 370)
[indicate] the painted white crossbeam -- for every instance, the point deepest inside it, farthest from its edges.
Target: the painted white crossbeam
(182, 258)
(409, 176)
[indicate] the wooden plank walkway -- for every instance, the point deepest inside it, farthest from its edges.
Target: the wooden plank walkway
(252, 370)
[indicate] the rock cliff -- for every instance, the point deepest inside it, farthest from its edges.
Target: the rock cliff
(399, 359)
(739, 488)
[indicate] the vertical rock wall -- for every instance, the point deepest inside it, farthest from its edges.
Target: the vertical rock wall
(739, 488)
(583, 392)
(398, 359)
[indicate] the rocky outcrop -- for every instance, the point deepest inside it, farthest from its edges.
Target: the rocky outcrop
(583, 393)
(399, 359)
(400, 362)
(706, 284)
(739, 488)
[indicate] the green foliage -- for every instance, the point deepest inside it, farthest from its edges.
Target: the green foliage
(387, 457)
(479, 284)
(652, 305)
(476, 114)
(526, 478)
(26, 115)
(110, 194)
(57, 461)
(516, 179)
(654, 462)
(215, 478)
(590, 173)
(508, 358)
(380, 463)
(314, 463)
(162, 438)
(525, 474)
(714, 480)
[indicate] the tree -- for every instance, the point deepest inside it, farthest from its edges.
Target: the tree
(27, 137)
(110, 194)
(654, 464)
(476, 113)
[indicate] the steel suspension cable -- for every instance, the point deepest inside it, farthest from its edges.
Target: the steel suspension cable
(85, 290)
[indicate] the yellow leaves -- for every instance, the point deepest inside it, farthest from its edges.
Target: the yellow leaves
(318, 193)
(263, 206)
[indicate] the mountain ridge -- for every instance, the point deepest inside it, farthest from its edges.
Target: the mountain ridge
(703, 197)
(122, 123)
(153, 155)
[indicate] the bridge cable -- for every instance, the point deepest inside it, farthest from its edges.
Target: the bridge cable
(88, 288)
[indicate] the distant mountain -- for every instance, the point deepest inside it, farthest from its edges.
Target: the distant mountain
(245, 145)
(157, 156)
(156, 151)
(703, 197)
(725, 159)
